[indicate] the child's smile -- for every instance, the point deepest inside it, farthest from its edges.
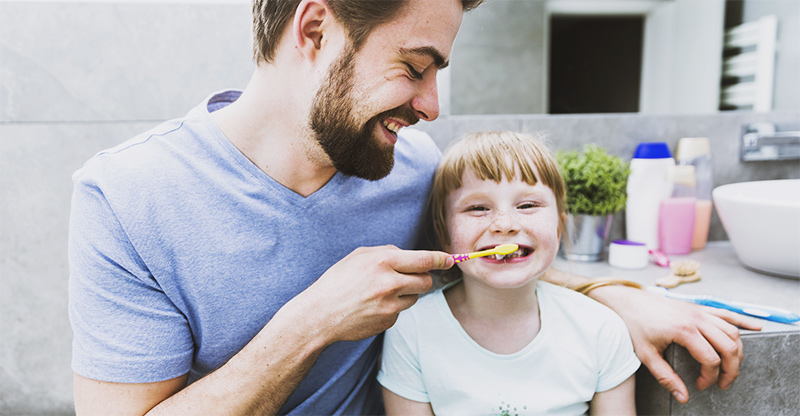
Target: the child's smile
(521, 253)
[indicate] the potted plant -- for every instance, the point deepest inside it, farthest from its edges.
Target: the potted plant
(596, 190)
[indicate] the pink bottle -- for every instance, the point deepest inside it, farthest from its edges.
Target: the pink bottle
(677, 213)
(696, 151)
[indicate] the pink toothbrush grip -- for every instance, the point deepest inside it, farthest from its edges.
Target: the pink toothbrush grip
(460, 257)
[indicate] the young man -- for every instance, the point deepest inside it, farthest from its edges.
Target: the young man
(242, 259)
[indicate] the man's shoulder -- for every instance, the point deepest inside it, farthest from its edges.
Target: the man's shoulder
(155, 150)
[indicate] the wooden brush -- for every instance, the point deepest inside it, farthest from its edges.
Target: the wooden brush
(683, 271)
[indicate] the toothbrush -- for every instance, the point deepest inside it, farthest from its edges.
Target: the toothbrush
(502, 250)
(763, 312)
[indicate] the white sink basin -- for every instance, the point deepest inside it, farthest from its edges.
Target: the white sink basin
(762, 220)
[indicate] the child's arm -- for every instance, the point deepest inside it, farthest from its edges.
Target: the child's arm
(398, 405)
(617, 402)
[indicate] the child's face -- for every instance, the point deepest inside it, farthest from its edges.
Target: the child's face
(483, 214)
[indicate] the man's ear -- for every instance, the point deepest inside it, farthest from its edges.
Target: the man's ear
(309, 25)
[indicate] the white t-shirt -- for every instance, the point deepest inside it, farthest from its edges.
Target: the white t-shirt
(582, 347)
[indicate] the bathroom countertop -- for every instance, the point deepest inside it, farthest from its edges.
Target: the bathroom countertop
(722, 275)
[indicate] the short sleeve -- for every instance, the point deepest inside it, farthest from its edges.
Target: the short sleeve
(617, 358)
(400, 369)
(125, 327)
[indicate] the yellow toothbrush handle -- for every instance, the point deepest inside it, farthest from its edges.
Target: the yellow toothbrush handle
(504, 249)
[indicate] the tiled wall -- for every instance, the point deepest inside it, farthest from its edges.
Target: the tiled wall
(79, 77)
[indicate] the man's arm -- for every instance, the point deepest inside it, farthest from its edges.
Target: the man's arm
(93, 397)
(711, 335)
(358, 297)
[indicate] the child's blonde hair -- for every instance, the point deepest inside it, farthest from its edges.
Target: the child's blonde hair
(493, 156)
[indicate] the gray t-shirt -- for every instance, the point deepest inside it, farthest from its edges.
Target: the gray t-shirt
(181, 250)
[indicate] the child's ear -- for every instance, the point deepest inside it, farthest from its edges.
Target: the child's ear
(562, 224)
(309, 27)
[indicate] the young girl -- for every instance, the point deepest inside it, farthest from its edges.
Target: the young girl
(496, 341)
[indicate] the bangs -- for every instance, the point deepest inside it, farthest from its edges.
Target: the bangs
(498, 155)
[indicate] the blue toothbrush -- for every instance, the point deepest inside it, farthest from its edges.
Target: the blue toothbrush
(763, 312)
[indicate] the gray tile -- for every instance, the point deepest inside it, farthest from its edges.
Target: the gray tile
(768, 383)
(467, 124)
(496, 65)
(441, 130)
(68, 61)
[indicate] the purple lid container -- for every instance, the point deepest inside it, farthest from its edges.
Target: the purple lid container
(627, 243)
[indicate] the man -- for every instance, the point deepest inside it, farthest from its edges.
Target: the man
(242, 260)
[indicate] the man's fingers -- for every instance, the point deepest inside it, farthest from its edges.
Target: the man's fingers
(701, 345)
(662, 372)
(414, 284)
(736, 319)
(419, 261)
(725, 339)
(407, 301)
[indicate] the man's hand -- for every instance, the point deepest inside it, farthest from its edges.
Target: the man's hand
(362, 294)
(710, 335)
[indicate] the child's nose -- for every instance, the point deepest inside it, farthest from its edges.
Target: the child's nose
(504, 222)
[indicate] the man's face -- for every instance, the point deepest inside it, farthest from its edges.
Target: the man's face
(349, 144)
(388, 84)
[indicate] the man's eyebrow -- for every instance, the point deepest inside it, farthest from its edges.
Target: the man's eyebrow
(427, 51)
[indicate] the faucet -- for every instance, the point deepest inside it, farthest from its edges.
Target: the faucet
(769, 141)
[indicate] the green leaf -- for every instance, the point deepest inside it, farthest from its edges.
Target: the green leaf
(596, 181)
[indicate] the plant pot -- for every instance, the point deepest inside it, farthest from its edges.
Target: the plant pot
(585, 237)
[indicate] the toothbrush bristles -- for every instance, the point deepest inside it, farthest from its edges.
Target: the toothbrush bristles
(505, 249)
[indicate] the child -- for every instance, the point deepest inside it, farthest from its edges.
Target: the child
(497, 341)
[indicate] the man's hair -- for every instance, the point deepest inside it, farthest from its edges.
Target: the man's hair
(492, 156)
(358, 17)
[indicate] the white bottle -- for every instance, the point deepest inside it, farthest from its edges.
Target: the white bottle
(648, 185)
(696, 151)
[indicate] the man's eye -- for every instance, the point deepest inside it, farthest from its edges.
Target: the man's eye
(413, 72)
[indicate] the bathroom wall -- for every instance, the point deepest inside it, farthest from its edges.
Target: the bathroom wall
(77, 77)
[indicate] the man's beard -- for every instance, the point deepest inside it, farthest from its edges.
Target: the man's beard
(353, 150)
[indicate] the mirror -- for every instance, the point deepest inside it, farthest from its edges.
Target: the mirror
(608, 56)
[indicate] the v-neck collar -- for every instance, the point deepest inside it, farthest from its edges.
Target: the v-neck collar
(219, 100)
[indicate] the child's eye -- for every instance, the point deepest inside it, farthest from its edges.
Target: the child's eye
(413, 72)
(477, 208)
(528, 205)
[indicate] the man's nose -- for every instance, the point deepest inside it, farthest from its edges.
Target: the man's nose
(426, 102)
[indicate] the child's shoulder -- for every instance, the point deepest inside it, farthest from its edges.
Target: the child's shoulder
(428, 305)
